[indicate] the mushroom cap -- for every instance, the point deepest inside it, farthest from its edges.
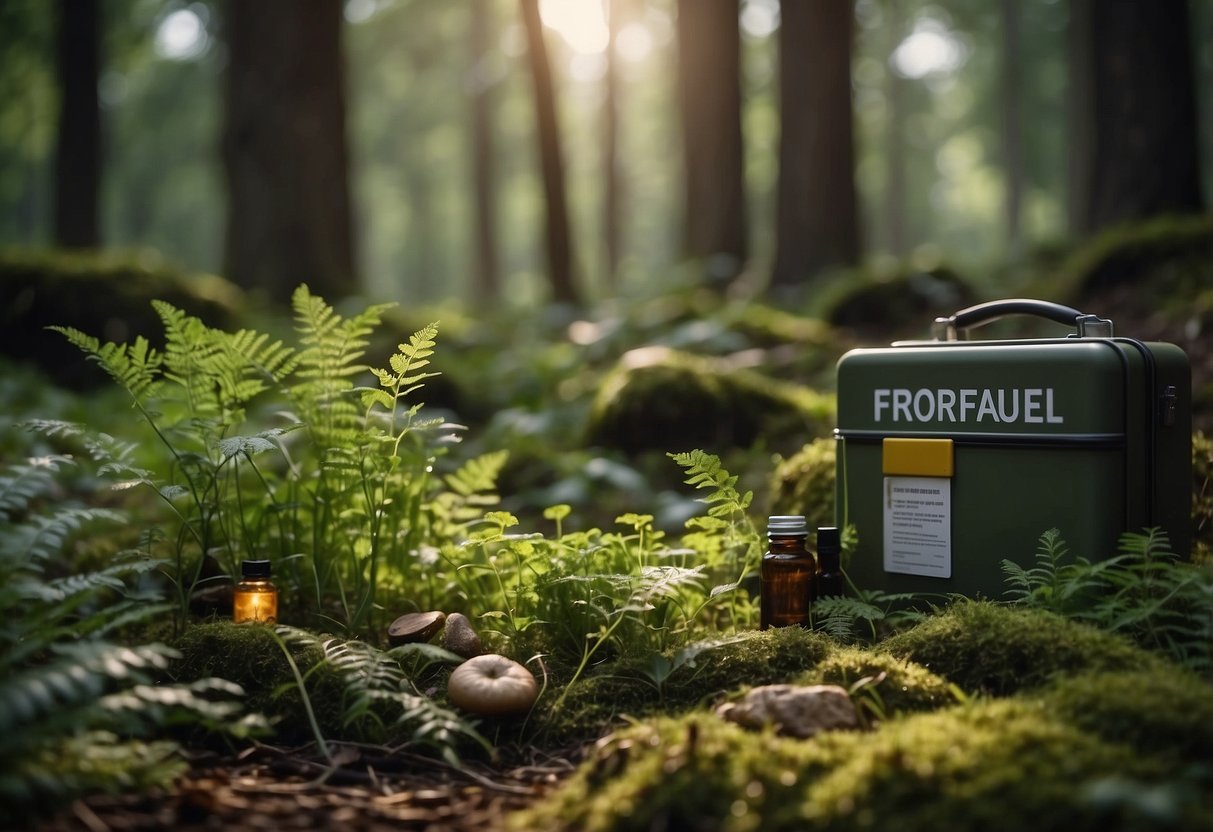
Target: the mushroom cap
(415, 627)
(492, 685)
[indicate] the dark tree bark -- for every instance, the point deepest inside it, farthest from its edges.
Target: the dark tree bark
(78, 145)
(817, 222)
(1136, 126)
(709, 87)
(613, 200)
(486, 282)
(551, 160)
(284, 149)
(1012, 124)
(894, 202)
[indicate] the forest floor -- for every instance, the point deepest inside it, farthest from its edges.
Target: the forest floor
(366, 788)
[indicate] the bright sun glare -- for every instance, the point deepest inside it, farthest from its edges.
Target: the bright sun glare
(931, 48)
(580, 23)
(182, 35)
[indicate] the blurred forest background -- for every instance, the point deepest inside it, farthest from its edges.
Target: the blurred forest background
(511, 152)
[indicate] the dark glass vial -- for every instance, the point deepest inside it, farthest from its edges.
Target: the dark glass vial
(788, 571)
(830, 580)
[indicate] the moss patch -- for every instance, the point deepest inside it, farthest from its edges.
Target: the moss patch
(596, 703)
(250, 656)
(1168, 712)
(906, 687)
(804, 483)
(988, 648)
(991, 765)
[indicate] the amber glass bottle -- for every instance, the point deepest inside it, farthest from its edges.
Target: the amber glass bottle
(255, 598)
(830, 580)
(788, 572)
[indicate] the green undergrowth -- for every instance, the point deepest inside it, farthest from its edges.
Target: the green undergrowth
(987, 648)
(990, 765)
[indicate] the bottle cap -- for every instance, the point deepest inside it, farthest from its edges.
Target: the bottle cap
(255, 568)
(786, 524)
(828, 538)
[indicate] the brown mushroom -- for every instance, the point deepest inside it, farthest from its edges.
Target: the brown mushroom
(415, 627)
(492, 685)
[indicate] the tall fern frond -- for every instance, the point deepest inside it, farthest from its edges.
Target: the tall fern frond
(190, 347)
(136, 367)
(706, 472)
(44, 536)
(23, 483)
(471, 489)
(380, 700)
(333, 348)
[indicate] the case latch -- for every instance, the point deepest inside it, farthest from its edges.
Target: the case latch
(1169, 401)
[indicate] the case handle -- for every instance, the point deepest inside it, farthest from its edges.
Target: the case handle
(955, 327)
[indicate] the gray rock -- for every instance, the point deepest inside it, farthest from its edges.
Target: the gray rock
(794, 711)
(460, 637)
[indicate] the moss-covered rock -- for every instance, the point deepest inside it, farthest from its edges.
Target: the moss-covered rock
(1164, 256)
(104, 293)
(896, 685)
(905, 301)
(662, 399)
(596, 702)
(1167, 712)
(989, 648)
(251, 656)
(804, 483)
(991, 765)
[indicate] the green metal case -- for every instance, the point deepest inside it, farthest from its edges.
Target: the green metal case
(954, 454)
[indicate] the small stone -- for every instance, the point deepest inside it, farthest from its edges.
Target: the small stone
(795, 711)
(460, 637)
(415, 627)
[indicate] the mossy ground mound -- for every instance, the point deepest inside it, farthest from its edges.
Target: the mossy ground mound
(106, 294)
(894, 686)
(1004, 765)
(1167, 712)
(597, 702)
(662, 399)
(899, 303)
(988, 648)
(251, 656)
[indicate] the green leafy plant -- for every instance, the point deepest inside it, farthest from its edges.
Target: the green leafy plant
(381, 703)
(1144, 591)
(866, 614)
(78, 712)
(275, 451)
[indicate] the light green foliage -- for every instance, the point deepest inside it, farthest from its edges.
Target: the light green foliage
(1145, 592)
(342, 511)
(987, 765)
(991, 648)
(67, 693)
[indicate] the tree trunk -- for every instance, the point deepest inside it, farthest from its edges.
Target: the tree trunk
(78, 145)
(559, 235)
(486, 282)
(709, 87)
(817, 222)
(1012, 124)
(284, 149)
(1141, 156)
(613, 200)
(894, 203)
